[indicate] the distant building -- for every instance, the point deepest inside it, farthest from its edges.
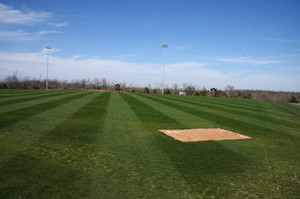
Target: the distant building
(182, 93)
(118, 87)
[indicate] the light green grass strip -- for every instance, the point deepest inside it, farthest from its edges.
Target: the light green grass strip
(131, 164)
(13, 107)
(182, 117)
(26, 132)
(29, 95)
(276, 127)
(258, 109)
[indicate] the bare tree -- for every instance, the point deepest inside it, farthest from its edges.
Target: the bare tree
(175, 88)
(104, 84)
(96, 83)
(229, 90)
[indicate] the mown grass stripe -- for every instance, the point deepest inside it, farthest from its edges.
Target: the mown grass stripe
(245, 104)
(57, 166)
(187, 119)
(22, 134)
(21, 105)
(10, 93)
(235, 103)
(9, 118)
(272, 155)
(259, 115)
(30, 94)
(191, 121)
(224, 118)
(201, 164)
(125, 145)
(29, 98)
(288, 108)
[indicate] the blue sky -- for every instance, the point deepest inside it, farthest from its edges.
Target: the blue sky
(248, 44)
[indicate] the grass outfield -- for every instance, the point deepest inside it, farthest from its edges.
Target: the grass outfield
(77, 144)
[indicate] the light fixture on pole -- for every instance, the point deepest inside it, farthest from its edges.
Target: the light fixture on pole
(163, 85)
(48, 48)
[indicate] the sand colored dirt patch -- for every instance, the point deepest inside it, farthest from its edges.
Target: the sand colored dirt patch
(194, 135)
(296, 104)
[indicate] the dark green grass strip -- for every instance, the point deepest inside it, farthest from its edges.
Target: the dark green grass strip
(204, 164)
(287, 111)
(245, 104)
(227, 109)
(35, 97)
(226, 122)
(59, 164)
(10, 93)
(9, 118)
(276, 159)
(14, 91)
(290, 108)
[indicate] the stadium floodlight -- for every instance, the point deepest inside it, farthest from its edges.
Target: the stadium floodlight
(48, 48)
(164, 60)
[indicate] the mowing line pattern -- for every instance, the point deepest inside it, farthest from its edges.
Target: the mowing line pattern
(192, 160)
(79, 144)
(131, 163)
(278, 145)
(52, 166)
(36, 96)
(241, 110)
(226, 119)
(8, 118)
(23, 133)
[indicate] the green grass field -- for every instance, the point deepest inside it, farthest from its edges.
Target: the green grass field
(79, 144)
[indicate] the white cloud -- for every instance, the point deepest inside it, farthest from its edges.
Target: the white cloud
(12, 16)
(248, 60)
(45, 32)
(21, 35)
(17, 35)
(77, 67)
(58, 25)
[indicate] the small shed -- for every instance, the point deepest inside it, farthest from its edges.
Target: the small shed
(118, 87)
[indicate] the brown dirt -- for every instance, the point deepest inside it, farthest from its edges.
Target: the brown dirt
(295, 103)
(103, 90)
(194, 135)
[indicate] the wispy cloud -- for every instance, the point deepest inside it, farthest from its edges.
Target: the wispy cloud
(9, 15)
(58, 25)
(45, 32)
(247, 60)
(21, 35)
(200, 74)
(292, 68)
(279, 40)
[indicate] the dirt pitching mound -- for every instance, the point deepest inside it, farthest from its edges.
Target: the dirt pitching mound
(195, 135)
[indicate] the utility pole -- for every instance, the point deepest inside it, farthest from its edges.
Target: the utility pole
(48, 48)
(164, 60)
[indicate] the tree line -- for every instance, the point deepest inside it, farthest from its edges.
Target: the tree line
(14, 82)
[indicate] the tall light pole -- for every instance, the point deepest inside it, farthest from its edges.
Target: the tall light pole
(163, 85)
(48, 48)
